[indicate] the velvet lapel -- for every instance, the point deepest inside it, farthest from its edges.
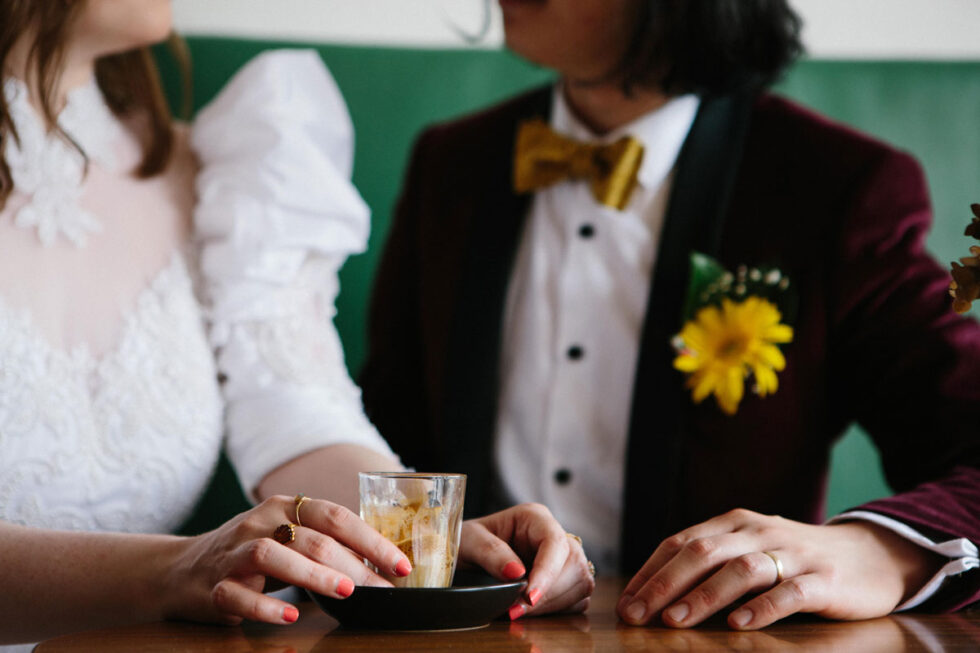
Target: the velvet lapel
(472, 366)
(704, 176)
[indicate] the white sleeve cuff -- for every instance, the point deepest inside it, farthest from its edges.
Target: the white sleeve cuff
(273, 427)
(961, 551)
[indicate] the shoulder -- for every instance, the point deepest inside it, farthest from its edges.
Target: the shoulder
(279, 97)
(822, 185)
(276, 150)
(796, 143)
(292, 76)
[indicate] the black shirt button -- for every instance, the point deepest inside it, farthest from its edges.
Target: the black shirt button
(563, 476)
(575, 352)
(586, 231)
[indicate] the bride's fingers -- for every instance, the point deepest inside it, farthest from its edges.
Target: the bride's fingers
(234, 601)
(566, 596)
(347, 528)
(479, 547)
(269, 558)
(553, 551)
(574, 583)
(331, 553)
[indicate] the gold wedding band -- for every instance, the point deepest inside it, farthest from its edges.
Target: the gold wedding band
(779, 566)
(299, 500)
(576, 538)
(284, 533)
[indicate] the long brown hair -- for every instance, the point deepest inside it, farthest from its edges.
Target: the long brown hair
(129, 81)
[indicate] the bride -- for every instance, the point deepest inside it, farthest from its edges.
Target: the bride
(167, 291)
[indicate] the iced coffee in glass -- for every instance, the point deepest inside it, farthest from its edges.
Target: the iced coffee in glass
(422, 514)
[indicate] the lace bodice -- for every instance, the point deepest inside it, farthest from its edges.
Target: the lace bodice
(119, 311)
(122, 442)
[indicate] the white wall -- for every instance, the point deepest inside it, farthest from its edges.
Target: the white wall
(904, 29)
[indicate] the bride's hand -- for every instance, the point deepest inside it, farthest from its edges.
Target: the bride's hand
(561, 578)
(221, 575)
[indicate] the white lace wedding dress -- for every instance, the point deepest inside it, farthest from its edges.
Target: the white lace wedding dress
(119, 311)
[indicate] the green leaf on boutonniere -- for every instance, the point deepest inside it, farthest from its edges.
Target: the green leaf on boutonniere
(710, 283)
(734, 325)
(705, 273)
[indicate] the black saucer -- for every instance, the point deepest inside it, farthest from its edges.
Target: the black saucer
(474, 600)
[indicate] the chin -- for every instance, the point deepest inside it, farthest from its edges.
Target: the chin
(120, 25)
(525, 41)
(153, 26)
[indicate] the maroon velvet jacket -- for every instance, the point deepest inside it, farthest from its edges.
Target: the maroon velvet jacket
(759, 181)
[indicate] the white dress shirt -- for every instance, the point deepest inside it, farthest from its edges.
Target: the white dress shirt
(572, 324)
(575, 308)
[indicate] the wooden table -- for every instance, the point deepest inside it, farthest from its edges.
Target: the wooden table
(598, 630)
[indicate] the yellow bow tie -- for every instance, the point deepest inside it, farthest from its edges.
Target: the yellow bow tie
(543, 157)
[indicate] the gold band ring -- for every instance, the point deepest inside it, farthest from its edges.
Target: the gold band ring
(779, 566)
(576, 538)
(299, 500)
(284, 533)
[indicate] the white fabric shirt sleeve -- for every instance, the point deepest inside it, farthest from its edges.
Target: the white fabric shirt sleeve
(276, 217)
(961, 552)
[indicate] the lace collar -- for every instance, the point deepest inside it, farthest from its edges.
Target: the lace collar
(49, 170)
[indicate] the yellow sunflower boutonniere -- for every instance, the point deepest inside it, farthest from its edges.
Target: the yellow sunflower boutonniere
(732, 332)
(965, 286)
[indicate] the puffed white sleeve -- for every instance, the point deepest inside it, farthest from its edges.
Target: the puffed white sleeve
(276, 217)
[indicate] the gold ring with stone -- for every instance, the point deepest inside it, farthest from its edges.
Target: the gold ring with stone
(591, 568)
(779, 566)
(576, 538)
(299, 500)
(284, 533)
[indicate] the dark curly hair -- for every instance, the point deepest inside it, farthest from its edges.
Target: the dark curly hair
(711, 46)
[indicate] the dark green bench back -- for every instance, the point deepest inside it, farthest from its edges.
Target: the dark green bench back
(929, 109)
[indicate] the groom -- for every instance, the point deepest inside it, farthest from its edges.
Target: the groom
(531, 288)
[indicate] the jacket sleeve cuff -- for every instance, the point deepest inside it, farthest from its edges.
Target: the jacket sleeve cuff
(961, 552)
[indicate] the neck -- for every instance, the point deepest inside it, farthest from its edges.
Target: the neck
(75, 71)
(604, 107)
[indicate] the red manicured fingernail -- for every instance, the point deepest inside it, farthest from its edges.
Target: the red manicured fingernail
(517, 611)
(513, 570)
(290, 614)
(534, 595)
(404, 567)
(345, 587)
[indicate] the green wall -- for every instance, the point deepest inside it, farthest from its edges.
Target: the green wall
(929, 109)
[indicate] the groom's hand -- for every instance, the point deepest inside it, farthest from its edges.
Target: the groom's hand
(848, 570)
